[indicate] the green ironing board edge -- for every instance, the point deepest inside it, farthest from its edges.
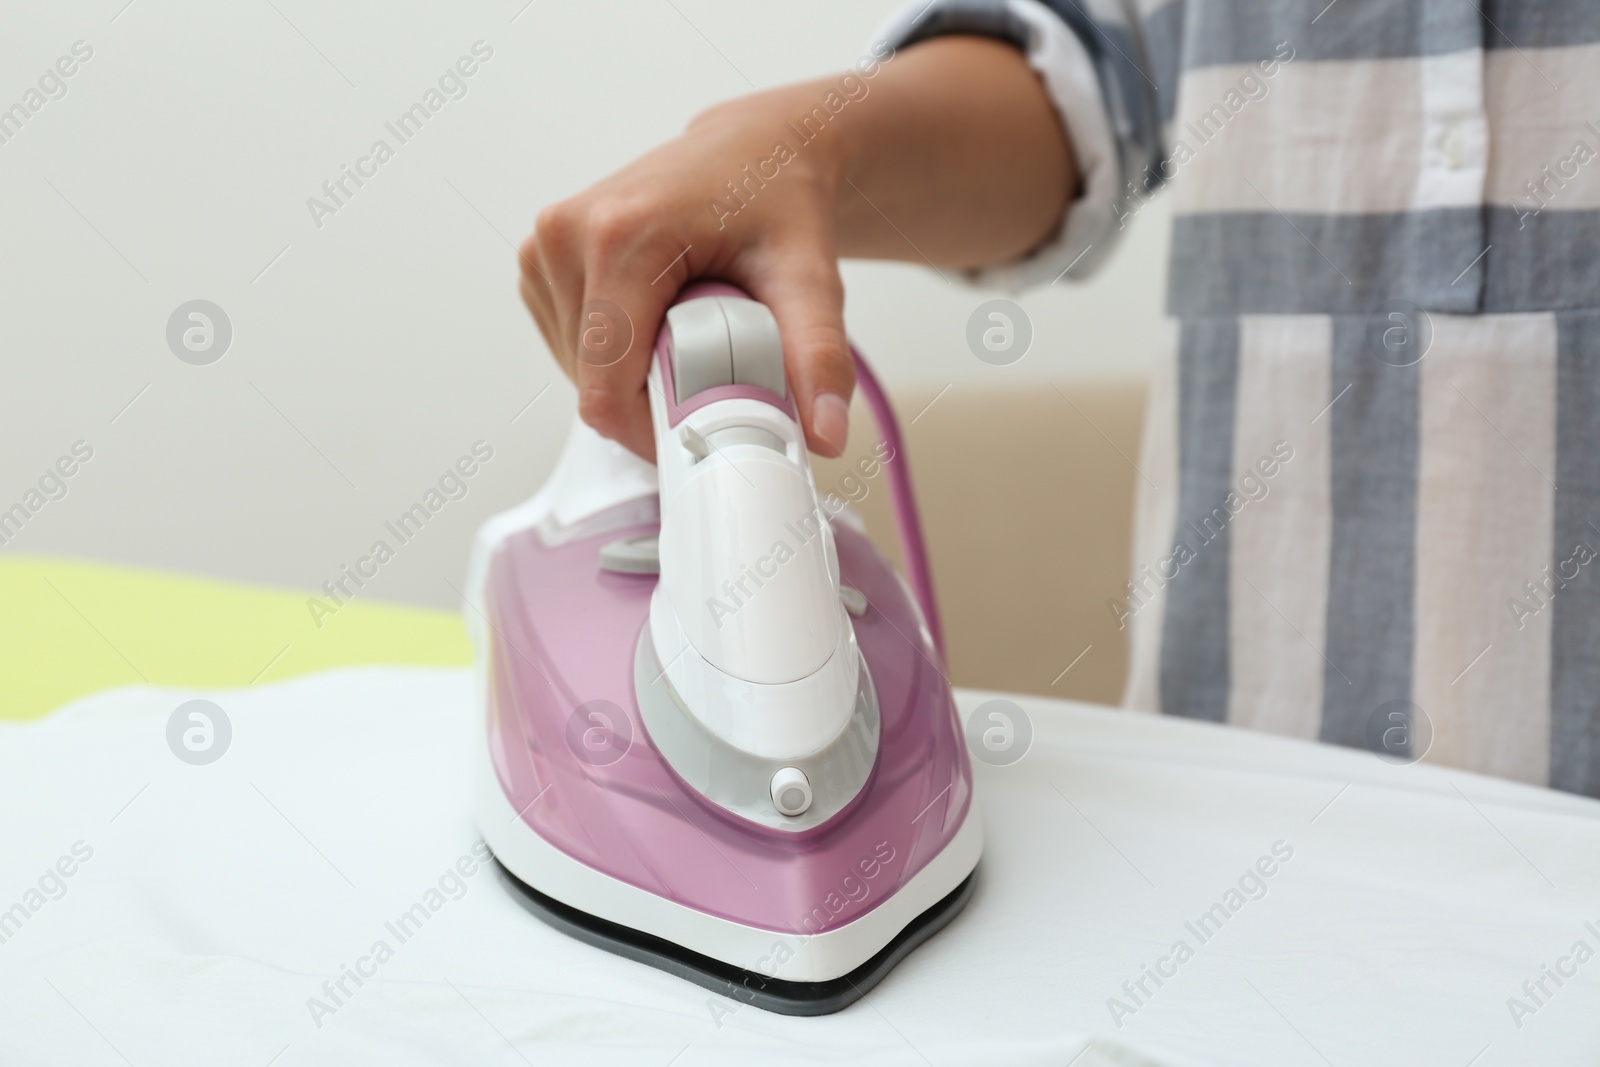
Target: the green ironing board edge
(73, 627)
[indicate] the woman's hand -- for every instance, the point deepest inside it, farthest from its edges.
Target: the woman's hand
(633, 240)
(949, 153)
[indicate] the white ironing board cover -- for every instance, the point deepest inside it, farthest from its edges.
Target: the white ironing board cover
(218, 899)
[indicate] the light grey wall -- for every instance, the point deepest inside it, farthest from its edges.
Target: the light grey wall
(370, 352)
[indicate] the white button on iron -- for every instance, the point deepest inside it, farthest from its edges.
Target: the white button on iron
(791, 791)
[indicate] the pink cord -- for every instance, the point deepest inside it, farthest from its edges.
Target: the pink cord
(905, 501)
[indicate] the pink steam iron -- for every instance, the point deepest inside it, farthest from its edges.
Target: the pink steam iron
(717, 734)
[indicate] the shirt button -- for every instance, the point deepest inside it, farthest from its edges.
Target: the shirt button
(1453, 143)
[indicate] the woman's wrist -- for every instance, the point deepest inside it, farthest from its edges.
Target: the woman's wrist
(790, 130)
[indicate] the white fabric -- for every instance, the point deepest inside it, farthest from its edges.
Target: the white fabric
(1281, 687)
(1155, 517)
(1472, 559)
(216, 903)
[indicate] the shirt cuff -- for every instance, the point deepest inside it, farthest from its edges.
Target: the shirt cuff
(1090, 226)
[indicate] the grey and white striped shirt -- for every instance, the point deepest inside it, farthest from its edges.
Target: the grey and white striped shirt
(1373, 449)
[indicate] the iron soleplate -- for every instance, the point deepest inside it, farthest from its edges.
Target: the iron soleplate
(748, 987)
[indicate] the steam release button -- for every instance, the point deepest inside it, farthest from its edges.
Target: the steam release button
(791, 791)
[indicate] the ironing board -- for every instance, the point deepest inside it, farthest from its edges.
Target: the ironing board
(232, 911)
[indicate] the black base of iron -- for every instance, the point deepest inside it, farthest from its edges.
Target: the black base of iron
(748, 987)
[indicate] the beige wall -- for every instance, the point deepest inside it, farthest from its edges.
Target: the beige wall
(1027, 500)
